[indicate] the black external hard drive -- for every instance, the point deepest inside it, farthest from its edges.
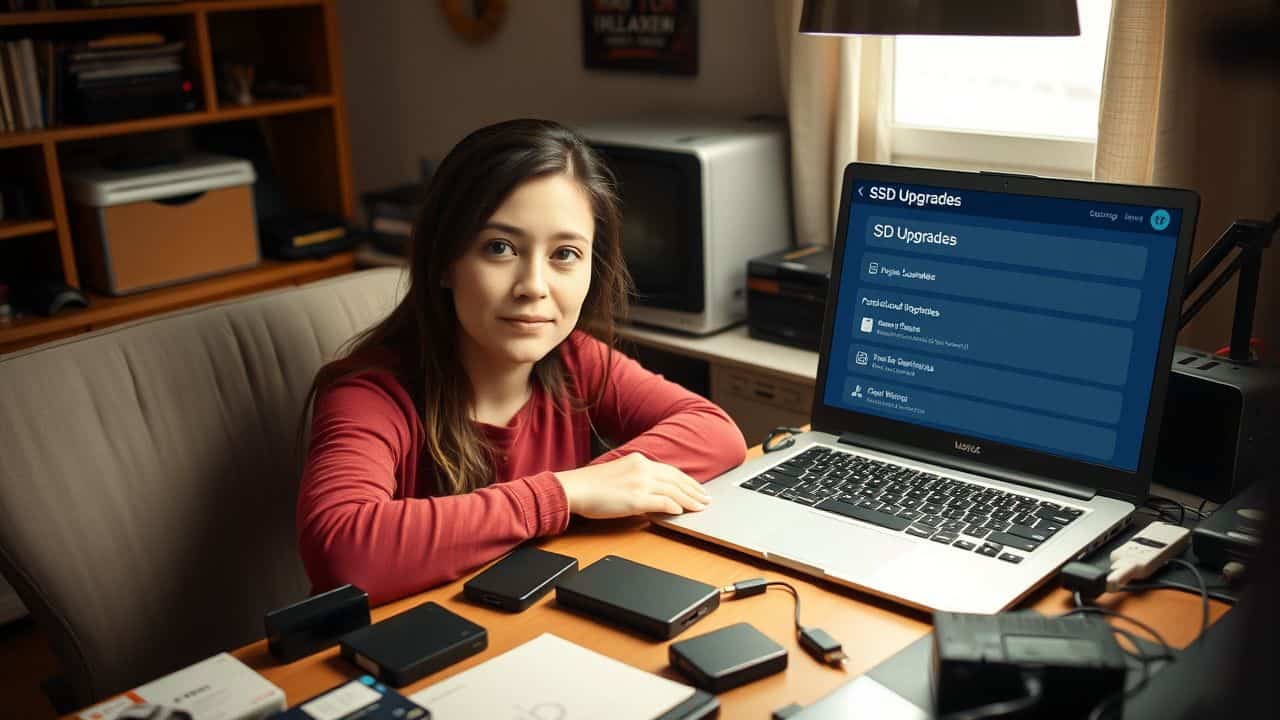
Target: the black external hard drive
(316, 623)
(516, 581)
(407, 647)
(726, 658)
(655, 602)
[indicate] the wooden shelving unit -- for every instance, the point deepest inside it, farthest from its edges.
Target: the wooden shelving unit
(22, 228)
(307, 137)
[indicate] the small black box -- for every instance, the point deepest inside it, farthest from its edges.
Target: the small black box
(655, 602)
(982, 659)
(516, 581)
(728, 657)
(407, 647)
(311, 625)
(787, 296)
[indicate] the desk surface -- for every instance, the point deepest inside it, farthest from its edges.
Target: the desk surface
(871, 629)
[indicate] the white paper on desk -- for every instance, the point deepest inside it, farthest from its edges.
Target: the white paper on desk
(550, 678)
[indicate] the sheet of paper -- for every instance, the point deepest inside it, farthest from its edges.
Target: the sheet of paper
(549, 678)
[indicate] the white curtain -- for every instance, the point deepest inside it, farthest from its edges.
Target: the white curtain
(1171, 115)
(832, 86)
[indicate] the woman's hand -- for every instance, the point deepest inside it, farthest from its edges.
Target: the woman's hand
(630, 485)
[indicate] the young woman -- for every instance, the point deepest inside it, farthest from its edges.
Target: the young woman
(462, 425)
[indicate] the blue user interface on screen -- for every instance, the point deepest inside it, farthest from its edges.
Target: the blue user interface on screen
(1026, 320)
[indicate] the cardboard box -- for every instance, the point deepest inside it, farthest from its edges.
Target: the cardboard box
(219, 688)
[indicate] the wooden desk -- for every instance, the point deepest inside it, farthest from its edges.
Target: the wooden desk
(871, 629)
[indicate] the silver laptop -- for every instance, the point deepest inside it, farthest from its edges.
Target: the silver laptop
(992, 373)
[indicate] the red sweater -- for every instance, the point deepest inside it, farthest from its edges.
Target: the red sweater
(365, 513)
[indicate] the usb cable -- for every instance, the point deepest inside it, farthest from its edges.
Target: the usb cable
(816, 641)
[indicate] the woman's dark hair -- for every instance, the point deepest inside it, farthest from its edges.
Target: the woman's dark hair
(418, 341)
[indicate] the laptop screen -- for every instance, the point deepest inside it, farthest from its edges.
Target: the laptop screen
(1030, 320)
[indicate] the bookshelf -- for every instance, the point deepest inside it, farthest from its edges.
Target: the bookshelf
(307, 137)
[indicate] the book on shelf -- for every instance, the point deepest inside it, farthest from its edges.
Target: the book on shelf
(116, 77)
(31, 5)
(8, 122)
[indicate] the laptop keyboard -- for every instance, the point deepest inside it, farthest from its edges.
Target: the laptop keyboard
(963, 515)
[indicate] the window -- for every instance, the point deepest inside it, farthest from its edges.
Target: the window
(1020, 104)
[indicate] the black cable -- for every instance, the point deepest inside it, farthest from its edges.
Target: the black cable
(1144, 662)
(1214, 594)
(1204, 595)
(789, 588)
(816, 641)
(1201, 510)
(1035, 693)
(1097, 610)
(1182, 509)
(1139, 652)
(1162, 514)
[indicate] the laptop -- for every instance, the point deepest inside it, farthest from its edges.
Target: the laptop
(991, 379)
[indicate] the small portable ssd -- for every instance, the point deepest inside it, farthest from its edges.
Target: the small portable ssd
(316, 623)
(726, 658)
(407, 647)
(652, 601)
(361, 699)
(516, 581)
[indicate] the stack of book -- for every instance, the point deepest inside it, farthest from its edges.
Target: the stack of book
(24, 78)
(113, 78)
(30, 5)
(122, 77)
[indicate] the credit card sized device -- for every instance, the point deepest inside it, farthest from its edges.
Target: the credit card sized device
(361, 699)
(516, 581)
(655, 602)
(407, 647)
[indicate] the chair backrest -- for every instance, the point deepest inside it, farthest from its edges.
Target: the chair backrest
(148, 476)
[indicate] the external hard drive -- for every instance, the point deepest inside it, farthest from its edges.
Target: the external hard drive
(726, 658)
(655, 602)
(516, 581)
(407, 647)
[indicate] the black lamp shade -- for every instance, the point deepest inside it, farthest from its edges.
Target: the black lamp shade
(939, 17)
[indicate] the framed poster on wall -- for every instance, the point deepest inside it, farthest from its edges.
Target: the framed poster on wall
(656, 36)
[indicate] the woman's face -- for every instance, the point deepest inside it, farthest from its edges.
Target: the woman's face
(519, 286)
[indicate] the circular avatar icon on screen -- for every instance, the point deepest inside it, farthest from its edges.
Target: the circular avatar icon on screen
(1160, 219)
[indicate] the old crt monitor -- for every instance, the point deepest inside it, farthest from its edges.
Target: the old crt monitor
(698, 201)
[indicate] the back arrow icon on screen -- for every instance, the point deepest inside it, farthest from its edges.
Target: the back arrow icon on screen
(859, 191)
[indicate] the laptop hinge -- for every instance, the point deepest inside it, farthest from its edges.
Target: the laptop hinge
(1038, 482)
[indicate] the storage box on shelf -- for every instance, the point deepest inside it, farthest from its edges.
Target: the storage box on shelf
(293, 47)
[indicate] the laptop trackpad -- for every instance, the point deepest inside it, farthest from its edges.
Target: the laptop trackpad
(846, 550)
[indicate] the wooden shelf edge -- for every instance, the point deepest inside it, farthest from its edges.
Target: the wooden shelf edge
(106, 310)
(265, 108)
(72, 15)
(21, 228)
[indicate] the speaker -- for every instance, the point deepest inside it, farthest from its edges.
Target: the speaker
(1221, 426)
